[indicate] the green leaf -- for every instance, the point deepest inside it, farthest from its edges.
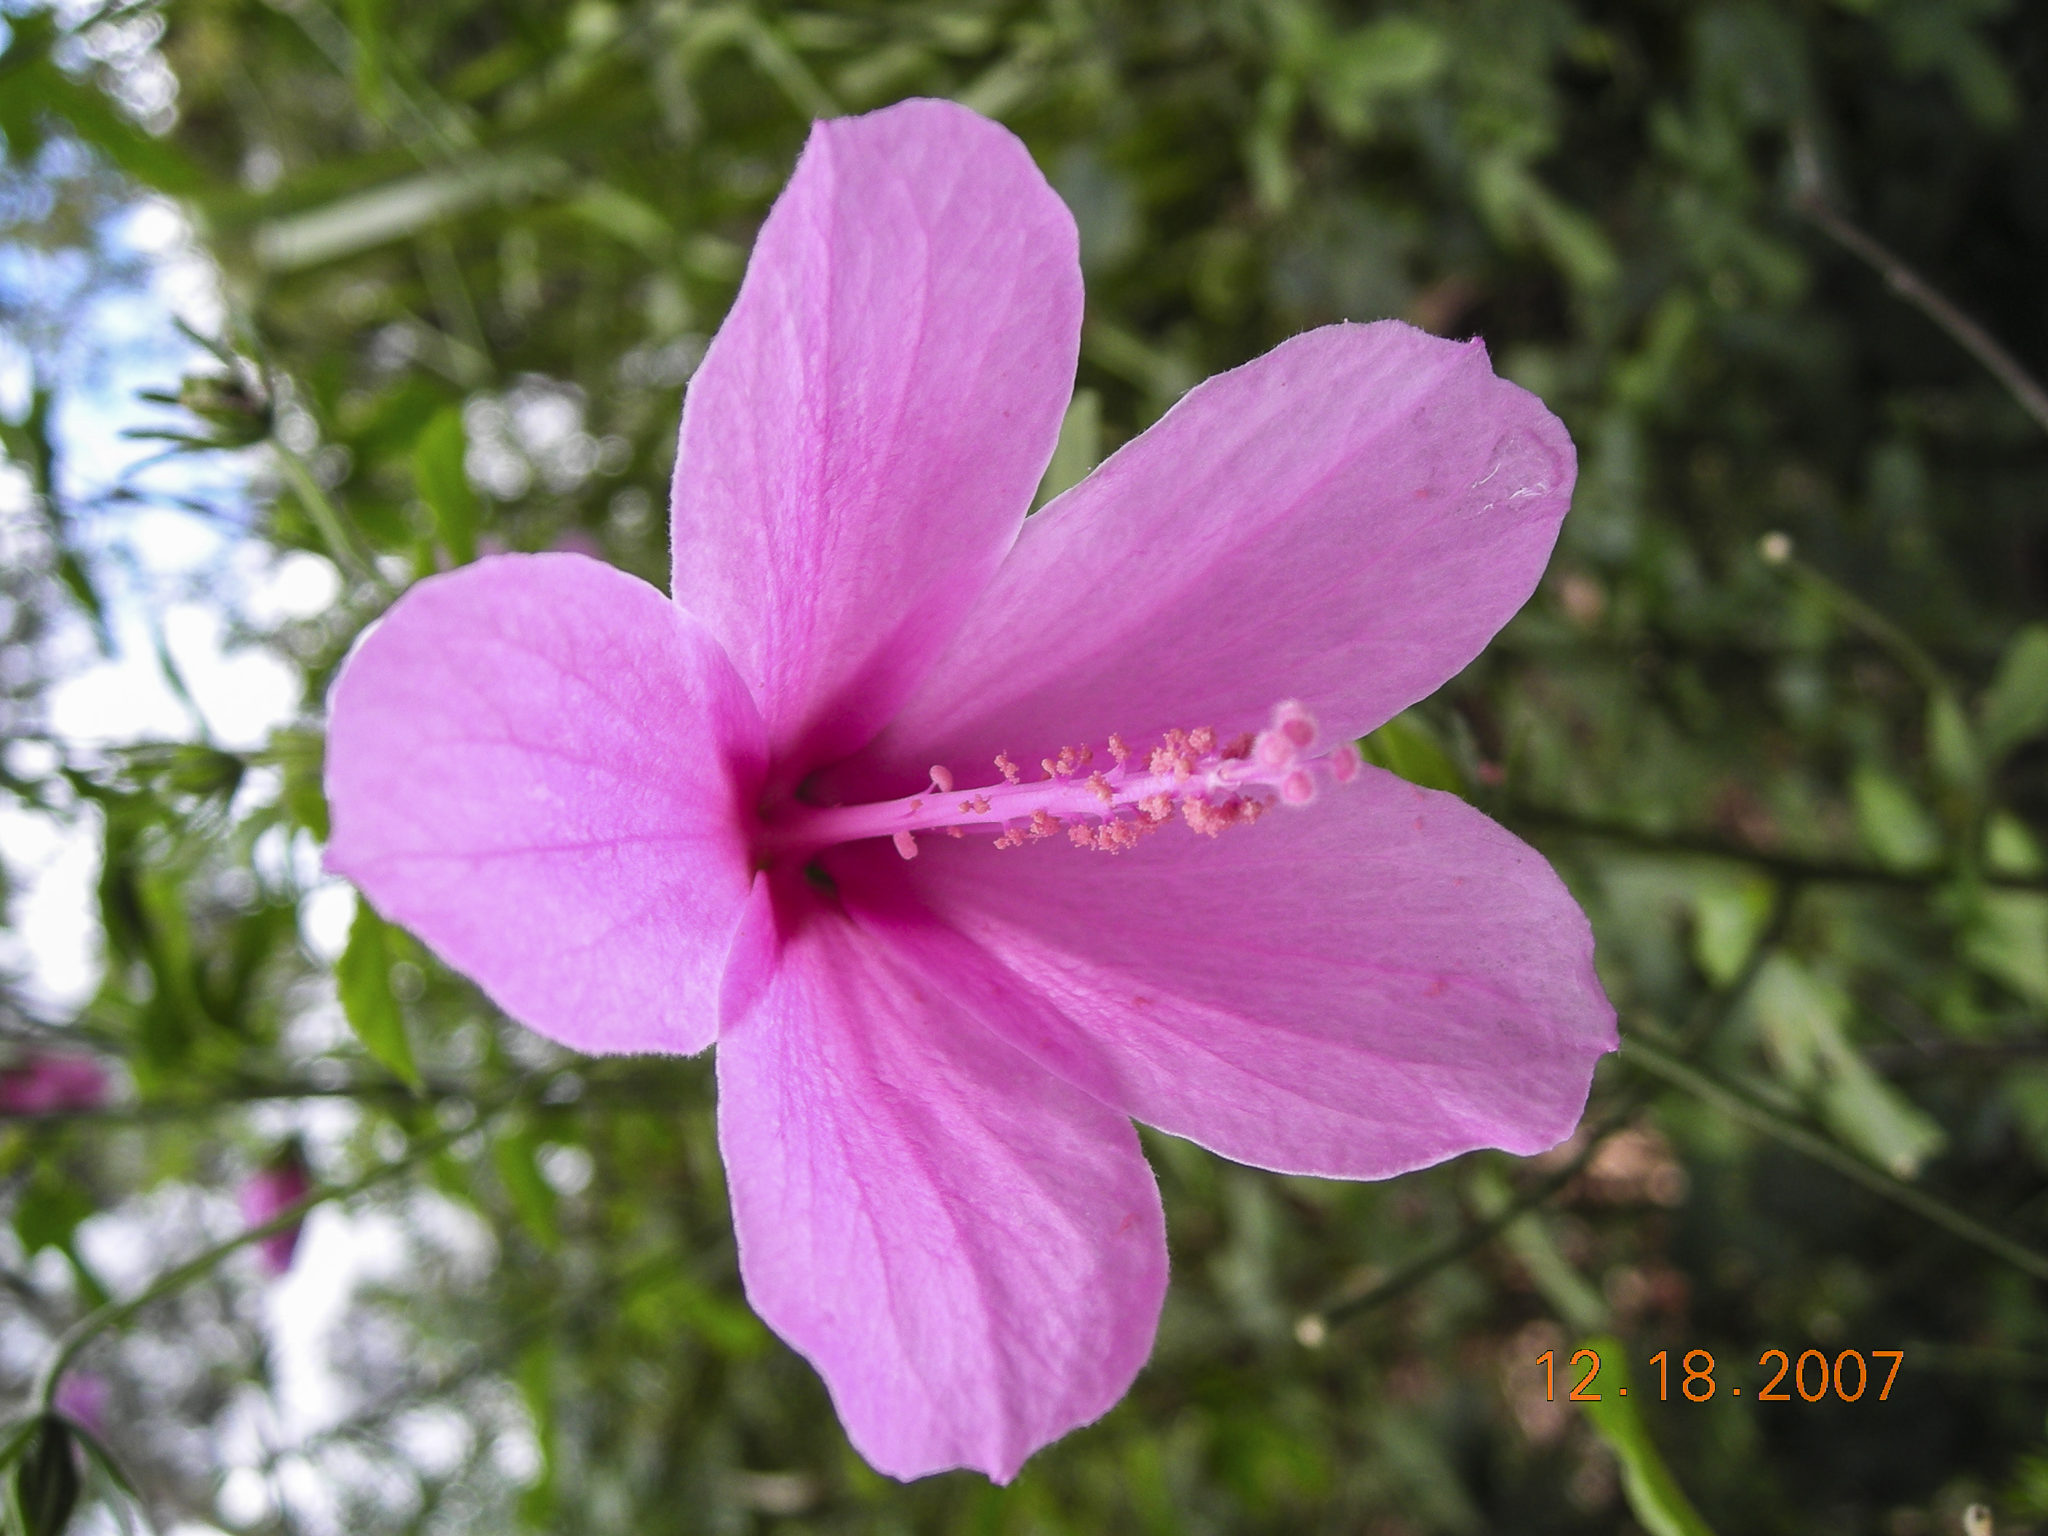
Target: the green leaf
(46, 1482)
(1802, 1018)
(398, 210)
(1952, 745)
(533, 1199)
(727, 1326)
(49, 1210)
(2007, 938)
(35, 86)
(1729, 916)
(1891, 822)
(1388, 57)
(1079, 449)
(437, 467)
(2014, 708)
(1654, 1497)
(28, 442)
(363, 977)
(1408, 746)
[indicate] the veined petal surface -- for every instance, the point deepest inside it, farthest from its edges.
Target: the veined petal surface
(544, 768)
(1363, 986)
(865, 435)
(1346, 521)
(970, 1250)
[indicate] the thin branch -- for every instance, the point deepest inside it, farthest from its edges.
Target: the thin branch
(334, 529)
(598, 1090)
(1343, 1307)
(115, 1313)
(1653, 1059)
(1915, 290)
(1537, 819)
(1920, 1058)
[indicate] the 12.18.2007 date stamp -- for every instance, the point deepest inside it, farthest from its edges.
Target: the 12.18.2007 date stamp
(1848, 1376)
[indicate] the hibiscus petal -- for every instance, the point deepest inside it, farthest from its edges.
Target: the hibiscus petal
(1345, 521)
(866, 432)
(539, 765)
(1367, 985)
(971, 1251)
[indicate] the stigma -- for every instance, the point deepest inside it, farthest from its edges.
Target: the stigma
(1107, 801)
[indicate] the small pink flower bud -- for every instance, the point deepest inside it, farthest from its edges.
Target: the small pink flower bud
(277, 1187)
(82, 1398)
(44, 1082)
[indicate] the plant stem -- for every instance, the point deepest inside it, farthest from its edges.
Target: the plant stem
(1538, 819)
(1652, 1058)
(116, 1313)
(1915, 290)
(1415, 1271)
(333, 528)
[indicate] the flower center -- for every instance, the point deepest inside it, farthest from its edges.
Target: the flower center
(1106, 801)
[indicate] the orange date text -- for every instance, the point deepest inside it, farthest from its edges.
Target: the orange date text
(1813, 1376)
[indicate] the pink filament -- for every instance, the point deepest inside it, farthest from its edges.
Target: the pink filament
(1108, 810)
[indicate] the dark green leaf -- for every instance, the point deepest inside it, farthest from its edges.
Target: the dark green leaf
(363, 978)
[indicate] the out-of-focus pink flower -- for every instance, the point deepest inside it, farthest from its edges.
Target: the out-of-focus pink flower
(280, 1184)
(781, 810)
(82, 1398)
(578, 541)
(44, 1082)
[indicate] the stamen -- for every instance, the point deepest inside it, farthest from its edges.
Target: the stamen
(1109, 810)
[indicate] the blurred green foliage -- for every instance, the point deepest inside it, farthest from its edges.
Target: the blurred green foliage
(471, 253)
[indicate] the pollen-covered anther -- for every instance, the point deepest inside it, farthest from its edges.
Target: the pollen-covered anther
(1118, 750)
(1176, 754)
(1009, 770)
(906, 844)
(942, 778)
(1211, 820)
(1099, 787)
(1043, 824)
(1070, 762)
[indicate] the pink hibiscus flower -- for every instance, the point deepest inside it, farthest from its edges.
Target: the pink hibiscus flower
(781, 809)
(47, 1082)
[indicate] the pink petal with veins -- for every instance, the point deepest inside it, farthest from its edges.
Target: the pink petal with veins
(1344, 522)
(1353, 989)
(970, 1251)
(866, 433)
(543, 768)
